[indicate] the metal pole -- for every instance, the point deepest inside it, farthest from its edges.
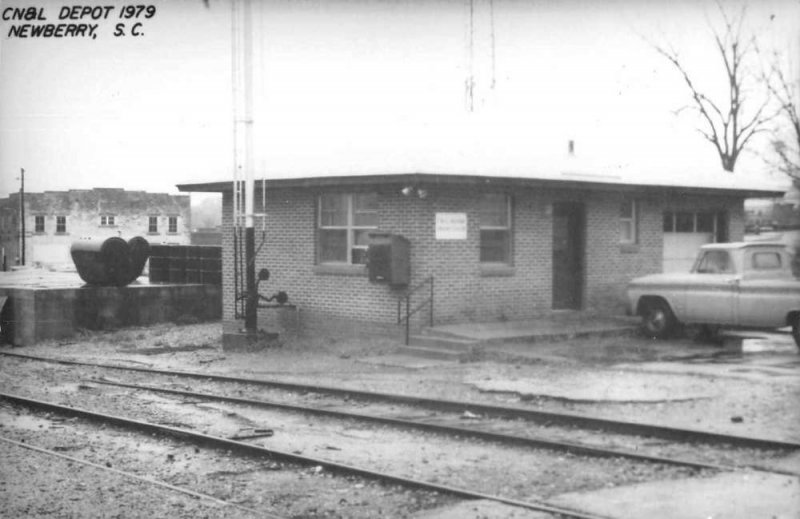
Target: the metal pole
(243, 129)
(22, 212)
(251, 315)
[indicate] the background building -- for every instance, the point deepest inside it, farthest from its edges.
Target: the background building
(54, 219)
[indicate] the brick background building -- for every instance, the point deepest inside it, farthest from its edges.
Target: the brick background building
(54, 219)
(620, 232)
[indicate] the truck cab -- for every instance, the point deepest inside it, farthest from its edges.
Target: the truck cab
(739, 285)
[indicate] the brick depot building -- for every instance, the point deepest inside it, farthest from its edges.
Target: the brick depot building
(497, 248)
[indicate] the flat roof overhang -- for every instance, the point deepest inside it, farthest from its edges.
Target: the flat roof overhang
(585, 183)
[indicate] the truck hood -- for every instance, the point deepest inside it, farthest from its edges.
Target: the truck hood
(671, 278)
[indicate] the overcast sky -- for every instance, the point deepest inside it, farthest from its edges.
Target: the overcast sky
(362, 86)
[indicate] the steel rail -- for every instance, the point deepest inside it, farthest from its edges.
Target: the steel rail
(548, 417)
(256, 450)
(137, 477)
(574, 448)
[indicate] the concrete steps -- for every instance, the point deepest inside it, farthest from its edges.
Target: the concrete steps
(433, 345)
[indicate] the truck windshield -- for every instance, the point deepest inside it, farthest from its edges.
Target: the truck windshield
(714, 262)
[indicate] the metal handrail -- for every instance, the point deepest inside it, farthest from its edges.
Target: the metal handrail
(409, 312)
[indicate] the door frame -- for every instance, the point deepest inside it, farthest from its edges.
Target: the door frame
(575, 291)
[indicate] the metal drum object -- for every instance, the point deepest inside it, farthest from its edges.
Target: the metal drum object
(111, 261)
(140, 251)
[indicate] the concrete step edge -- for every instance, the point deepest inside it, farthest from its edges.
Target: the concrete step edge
(432, 353)
(443, 343)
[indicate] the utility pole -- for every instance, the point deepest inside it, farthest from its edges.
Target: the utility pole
(22, 214)
(243, 146)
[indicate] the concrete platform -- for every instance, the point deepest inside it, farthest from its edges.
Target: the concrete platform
(560, 325)
(739, 495)
(44, 305)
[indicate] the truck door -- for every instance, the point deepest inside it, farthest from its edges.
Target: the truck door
(712, 293)
(763, 294)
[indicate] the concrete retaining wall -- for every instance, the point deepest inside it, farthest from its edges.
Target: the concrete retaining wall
(32, 315)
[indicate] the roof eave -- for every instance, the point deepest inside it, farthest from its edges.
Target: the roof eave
(431, 178)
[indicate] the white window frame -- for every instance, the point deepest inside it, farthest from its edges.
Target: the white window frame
(350, 228)
(629, 223)
(172, 225)
(36, 219)
(150, 227)
(508, 228)
(107, 220)
(674, 222)
(61, 224)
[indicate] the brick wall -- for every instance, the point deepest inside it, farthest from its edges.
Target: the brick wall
(464, 290)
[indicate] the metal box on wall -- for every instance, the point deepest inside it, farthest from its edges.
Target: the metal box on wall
(389, 259)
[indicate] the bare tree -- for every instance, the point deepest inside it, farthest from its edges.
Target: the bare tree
(730, 121)
(787, 96)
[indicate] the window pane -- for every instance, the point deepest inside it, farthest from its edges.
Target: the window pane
(715, 262)
(705, 222)
(367, 202)
(495, 246)
(626, 231)
(359, 256)
(361, 238)
(332, 245)
(365, 210)
(766, 260)
(626, 209)
(333, 210)
(493, 211)
(669, 222)
(684, 222)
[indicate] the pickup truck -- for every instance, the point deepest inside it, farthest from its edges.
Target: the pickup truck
(737, 285)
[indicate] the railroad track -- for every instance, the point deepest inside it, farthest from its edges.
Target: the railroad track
(449, 430)
(136, 477)
(251, 450)
(235, 384)
(452, 406)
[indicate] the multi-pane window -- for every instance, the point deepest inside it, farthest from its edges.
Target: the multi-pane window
(61, 224)
(345, 221)
(152, 224)
(687, 221)
(627, 222)
(38, 224)
(106, 220)
(494, 217)
(172, 224)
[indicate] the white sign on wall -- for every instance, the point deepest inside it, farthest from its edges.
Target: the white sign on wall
(451, 226)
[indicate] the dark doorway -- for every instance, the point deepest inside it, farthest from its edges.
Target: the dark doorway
(569, 224)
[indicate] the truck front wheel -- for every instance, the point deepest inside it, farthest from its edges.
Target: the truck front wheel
(658, 321)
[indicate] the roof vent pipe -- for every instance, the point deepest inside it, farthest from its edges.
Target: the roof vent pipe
(571, 148)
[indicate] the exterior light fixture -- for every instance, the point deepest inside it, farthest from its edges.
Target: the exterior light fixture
(406, 191)
(422, 193)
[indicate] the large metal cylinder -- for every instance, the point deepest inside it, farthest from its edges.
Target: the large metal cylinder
(140, 251)
(110, 261)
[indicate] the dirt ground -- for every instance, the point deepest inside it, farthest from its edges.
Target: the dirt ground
(680, 384)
